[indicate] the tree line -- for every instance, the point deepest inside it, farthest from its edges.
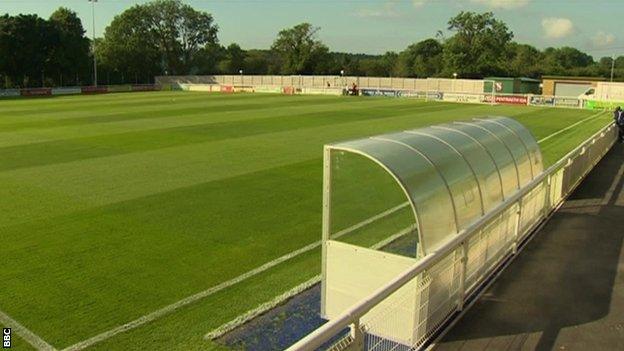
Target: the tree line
(168, 37)
(36, 52)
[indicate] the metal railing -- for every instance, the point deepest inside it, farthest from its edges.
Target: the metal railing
(442, 281)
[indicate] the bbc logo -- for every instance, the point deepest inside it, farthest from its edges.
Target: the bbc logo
(6, 338)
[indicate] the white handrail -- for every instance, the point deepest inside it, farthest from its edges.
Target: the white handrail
(330, 329)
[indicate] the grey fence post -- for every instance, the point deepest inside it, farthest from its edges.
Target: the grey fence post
(357, 335)
(517, 227)
(462, 276)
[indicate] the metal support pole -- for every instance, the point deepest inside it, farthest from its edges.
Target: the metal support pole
(612, 66)
(95, 82)
(326, 220)
(547, 201)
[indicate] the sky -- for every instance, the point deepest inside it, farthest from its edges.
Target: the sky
(377, 26)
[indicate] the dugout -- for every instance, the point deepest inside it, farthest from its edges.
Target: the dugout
(391, 199)
(511, 85)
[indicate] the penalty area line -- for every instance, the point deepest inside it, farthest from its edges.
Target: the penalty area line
(30, 337)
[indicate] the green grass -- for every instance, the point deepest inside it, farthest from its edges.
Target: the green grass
(116, 205)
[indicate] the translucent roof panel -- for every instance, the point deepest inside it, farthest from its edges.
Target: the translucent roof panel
(497, 150)
(457, 176)
(445, 177)
(477, 158)
(514, 144)
(527, 139)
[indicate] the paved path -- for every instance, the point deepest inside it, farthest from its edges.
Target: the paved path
(565, 291)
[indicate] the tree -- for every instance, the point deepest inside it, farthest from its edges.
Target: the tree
(26, 46)
(340, 61)
(257, 61)
(569, 57)
(298, 50)
(478, 45)
(181, 32)
(161, 37)
(422, 59)
(234, 60)
(523, 60)
(207, 59)
(381, 66)
(71, 56)
(129, 48)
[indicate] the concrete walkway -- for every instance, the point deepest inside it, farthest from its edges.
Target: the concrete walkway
(565, 291)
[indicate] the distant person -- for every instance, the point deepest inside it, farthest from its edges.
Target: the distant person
(618, 116)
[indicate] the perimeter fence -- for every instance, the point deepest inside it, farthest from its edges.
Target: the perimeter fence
(433, 89)
(100, 89)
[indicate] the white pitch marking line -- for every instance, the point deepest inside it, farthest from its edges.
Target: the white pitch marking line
(569, 127)
(30, 337)
(188, 300)
(369, 220)
(193, 298)
(251, 314)
(394, 237)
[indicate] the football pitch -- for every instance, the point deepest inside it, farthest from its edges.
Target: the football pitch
(147, 220)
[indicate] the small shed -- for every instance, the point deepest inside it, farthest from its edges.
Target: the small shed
(512, 85)
(568, 86)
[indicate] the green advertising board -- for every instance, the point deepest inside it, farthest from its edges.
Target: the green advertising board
(599, 105)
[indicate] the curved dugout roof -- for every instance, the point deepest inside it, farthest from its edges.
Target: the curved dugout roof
(454, 173)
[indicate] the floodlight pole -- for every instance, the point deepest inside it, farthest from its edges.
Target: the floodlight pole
(94, 58)
(612, 66)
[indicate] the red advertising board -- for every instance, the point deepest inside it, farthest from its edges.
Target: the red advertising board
(36, 91)
(227, 89)
(94, 90)
(507, 99)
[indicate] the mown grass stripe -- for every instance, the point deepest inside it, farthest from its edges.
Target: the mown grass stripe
(45, 153)
(78, 103)
(149, 110)
(145, 121)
